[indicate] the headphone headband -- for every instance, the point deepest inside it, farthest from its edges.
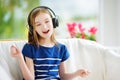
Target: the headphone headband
(45, 7)
(48, 9)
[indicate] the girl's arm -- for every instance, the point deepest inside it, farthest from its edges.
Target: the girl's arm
(27, 70)
(71, 76)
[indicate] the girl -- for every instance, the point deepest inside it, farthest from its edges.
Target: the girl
(44, 56)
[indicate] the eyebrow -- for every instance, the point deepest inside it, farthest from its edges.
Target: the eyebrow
(39, 22)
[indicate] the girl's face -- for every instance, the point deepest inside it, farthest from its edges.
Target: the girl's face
(43, 25)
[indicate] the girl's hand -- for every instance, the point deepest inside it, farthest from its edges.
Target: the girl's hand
(15, 52)
(83, 73)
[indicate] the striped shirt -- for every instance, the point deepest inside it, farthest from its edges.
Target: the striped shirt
(46, 60)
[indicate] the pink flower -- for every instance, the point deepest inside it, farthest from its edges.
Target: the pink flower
(93, 30)
(78, 31)
(74, 24)
(81, 28)
(71, 28)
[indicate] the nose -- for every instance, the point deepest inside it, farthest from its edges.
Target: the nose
(44, 26)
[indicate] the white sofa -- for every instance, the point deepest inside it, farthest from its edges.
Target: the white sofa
(102, 63)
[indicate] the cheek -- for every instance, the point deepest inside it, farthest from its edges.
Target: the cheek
(38, 29)
(50, 24)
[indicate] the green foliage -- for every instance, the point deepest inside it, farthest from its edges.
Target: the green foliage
(12, 27)
(82, 18)
(89, 37)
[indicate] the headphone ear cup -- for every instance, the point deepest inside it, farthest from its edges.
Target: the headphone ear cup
(55, 22)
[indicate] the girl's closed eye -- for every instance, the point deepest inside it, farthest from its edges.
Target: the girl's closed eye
(47, 21)
(38, 24)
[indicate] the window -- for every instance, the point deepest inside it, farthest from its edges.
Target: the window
(13, 15)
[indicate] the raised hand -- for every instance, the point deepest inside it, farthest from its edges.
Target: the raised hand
(15, 52)
(83, 72)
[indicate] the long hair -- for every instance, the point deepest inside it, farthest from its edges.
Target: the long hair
(33, 36)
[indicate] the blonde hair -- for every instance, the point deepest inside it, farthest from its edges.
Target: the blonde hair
(34, 37)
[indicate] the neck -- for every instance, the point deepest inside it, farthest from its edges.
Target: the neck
(46, 42)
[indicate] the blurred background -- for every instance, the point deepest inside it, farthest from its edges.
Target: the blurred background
(101, 14)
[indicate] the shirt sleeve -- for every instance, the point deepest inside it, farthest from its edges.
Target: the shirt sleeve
(27, 51)
(65, 54)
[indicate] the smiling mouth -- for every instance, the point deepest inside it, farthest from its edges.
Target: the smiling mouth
(45, 32)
